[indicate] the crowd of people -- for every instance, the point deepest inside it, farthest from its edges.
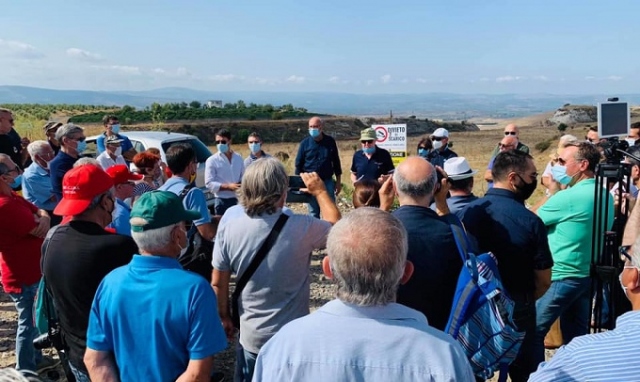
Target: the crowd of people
(104, 236)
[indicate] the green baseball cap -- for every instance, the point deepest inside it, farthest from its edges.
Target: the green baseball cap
(157, 209)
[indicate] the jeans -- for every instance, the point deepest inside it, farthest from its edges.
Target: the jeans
(568, 299)
(220, 205)
(79, 374)
(26, 355)
(524, 317)
(313, 207)
(245, 364)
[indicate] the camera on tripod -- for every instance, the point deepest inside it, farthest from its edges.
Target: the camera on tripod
(613, 121)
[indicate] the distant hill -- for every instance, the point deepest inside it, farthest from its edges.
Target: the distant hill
(444, 106)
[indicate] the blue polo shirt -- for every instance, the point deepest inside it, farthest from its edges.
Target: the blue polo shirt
(36, 187)
(319, 156)
(194, 200)
(380, 163)
(517, 237)
(154, 317)
(121, 216)
(59, 166)
(125, 144)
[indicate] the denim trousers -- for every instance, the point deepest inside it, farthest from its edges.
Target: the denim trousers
(313, 207)
(221, 205)
(569, 300)
(245, 364)
(27, 357)
(524, 317)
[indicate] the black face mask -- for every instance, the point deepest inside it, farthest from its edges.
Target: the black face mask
(525, 191)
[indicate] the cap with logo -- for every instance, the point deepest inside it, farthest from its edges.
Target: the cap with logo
(368, 134)
(120, 174)
(157, 209)
(113, 139)
(440, 132)
(79, 186)
(458, 168)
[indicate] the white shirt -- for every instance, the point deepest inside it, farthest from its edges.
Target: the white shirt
(219, 170)
(105, 160)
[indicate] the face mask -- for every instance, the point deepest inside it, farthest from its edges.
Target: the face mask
(223, 147)
(524, 192)
(82, 145)
(17, 182)
(314, 132)
(437, 145)
(423, 152)
(624, 288)
(560, 175)
(631, 141)
(118, 151)
(254, 147)
(183, 250)
(115, 129)
(369, 150)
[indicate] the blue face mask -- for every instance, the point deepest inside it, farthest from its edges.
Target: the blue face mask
(82, 145)
(254, 147)
(17, 182)
(369, 150)
(423, 152)
(560, 175)
(115, 128)
(223, 147)
(314, 132)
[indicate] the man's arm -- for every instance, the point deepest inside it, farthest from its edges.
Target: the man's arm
(101, 366)
(220, 283)
(300, 158)
(208, 230)
(632, 228)
(129, 154)
(440, 197)
(387, 194)
(197, 371)
(542, 279)
(315, 186)
(44, 223)
(354, 177)
(337, 167)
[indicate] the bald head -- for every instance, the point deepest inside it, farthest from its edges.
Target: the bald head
(511, 129)
(509, 142)
(316, 123)
(414, 179)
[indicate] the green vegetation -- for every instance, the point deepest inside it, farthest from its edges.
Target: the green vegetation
(543, 145)
(562, 127)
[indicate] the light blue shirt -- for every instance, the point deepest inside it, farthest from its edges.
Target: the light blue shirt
(154, 317)
(121, 216)
(252, 158)
(606, 356)
(194, 200)
(36, 187)
(219, 170)
(344, 342)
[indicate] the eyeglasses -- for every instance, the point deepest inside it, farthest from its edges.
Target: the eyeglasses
(369, 141)
(421, 148)
(437, 138)
(510, 133)
(624, 254)
(222, 142)
(81, 139)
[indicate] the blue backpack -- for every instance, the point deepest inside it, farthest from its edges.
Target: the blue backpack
(481, 318)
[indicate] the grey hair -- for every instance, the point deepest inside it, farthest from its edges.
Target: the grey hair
(95, 202)
(263, 185)
(567, 139)
(635, 253)
(153, 239)
(3, 167)
(36, 148)
(367, 253)
(67, 130)
(419, 189)
(86, 161)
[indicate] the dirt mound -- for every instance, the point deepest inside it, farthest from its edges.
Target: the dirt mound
(571, 114)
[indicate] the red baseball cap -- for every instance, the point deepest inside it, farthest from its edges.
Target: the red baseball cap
(120, 174)
(79, 186)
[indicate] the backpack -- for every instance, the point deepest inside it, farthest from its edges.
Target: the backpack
(199, 252)
(481, 318)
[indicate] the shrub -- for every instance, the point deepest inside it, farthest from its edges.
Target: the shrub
(542, 146)
(562, 127)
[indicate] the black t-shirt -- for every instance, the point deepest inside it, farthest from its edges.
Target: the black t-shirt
(79, 256)
(437, 263)
(9, 147)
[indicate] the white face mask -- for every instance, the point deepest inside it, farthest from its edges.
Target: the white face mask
(118, 151)
(184, 250)
(630, 141)
(437, 145)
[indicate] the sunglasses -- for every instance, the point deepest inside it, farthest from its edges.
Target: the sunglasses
(254, 142)
(437, 138)
(510, 133)
(223, 142)
(369, 141)
(624, 254)
(421, 148)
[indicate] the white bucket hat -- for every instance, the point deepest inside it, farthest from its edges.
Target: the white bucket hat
(458, 168)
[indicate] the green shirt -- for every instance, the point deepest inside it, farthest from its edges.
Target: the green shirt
(521, 147)
(568, 216)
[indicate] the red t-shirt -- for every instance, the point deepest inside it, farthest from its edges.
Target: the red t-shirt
(19, 251)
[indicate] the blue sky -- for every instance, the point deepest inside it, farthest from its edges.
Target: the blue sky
(458, 46)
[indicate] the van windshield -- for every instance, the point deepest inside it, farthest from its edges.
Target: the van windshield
(202, 151)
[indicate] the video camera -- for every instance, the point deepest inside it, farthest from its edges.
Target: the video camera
(613, 121)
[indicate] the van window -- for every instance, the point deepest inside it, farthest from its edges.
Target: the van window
(202, 151)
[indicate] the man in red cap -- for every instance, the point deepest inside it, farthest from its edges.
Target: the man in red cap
(123, 185)
(81, 253)
(22, 227)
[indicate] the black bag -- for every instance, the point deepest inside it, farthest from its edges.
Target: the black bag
(251, 269)
(199, 252)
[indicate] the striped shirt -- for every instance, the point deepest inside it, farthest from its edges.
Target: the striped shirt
(607, 356)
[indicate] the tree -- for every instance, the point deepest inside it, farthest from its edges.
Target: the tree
(562, 127)
(195, 105)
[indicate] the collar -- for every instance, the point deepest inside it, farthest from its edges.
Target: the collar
(253, 157)
(503, 193)
(154, 262)
(392, 311)
(37, 169)
(122, 204)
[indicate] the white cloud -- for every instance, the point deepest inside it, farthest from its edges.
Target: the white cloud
(183, 72)
(226, 78)
(296, 79)
(370, 82)
(421, 80)
(159, 71)
(385, 79)
(132, 70)
(20, 49)
(510, 78)
(541, 78)
(334, 80)
(608, 78)
(484, 79)
(614, 78)
(83, 55)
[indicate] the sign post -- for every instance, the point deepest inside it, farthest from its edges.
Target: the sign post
(392, 138)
